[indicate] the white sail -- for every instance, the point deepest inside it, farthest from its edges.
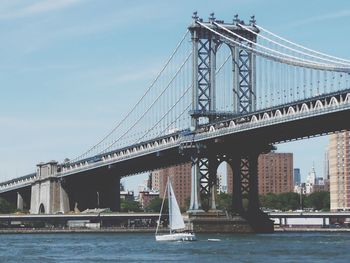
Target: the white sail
(175, 218)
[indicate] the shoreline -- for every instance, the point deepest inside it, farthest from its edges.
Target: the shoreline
(147, 230)
(309, 229)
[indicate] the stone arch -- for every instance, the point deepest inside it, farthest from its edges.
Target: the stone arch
(211, 129)
(41, 209)
(232, 124)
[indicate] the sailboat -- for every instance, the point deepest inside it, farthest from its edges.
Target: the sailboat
(176, 222)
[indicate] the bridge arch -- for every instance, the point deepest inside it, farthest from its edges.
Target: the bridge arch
(254, 119)
(278, 113)
(333, 102)
(266, 116)
(318, 105)
(347, 98)
(41, 209)
(304, 108)
(232, 124)
(211, 129)
(290, 111)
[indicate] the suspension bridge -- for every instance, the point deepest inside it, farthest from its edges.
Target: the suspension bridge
(228, 92)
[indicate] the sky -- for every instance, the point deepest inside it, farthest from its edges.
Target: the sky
(70, 69)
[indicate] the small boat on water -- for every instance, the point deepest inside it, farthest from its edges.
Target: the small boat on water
(214, 239)
(176, 222)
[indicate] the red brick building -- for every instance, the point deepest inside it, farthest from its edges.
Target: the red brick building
(275, 173)
(181, 181)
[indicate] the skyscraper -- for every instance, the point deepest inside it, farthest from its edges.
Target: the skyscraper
(296, 176)
(339, 170)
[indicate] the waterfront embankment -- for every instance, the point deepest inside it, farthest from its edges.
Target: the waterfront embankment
(147, 230)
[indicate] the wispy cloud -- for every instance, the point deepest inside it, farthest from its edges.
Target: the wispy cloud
(44, 6)
(320, 18)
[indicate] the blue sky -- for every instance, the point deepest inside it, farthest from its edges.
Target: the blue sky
(70, 69)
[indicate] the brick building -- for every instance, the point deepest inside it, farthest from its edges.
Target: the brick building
(339, 170)
(181, 180)
(275, 173)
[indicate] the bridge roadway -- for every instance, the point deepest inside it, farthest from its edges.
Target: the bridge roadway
(309, 214)
(133, 216)
(81, 216)
(305, 118)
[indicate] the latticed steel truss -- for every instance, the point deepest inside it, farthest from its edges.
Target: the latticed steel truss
(204, 176)
(244, 91)
(245, 173)
(204, 69)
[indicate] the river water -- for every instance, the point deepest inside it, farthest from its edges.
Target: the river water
(115, 247)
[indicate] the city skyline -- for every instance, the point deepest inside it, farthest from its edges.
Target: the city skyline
(55, 75)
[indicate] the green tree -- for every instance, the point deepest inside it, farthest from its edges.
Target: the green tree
(155, 205)
(283, 201)
(289, 201)
(318, 201)
(129, 206)
(6, 207)
(224, 201)
(270, 201)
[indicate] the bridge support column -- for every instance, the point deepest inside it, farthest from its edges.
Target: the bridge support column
(248, 177)
(109, 193)
(19, 201)
(48, 195)
(195, 202)
(237, 206)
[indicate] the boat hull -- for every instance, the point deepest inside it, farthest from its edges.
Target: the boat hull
(177, 237)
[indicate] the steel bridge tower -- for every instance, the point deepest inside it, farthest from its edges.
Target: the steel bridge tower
(207, 157)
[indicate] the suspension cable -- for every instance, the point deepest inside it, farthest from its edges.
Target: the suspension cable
(292, 49)
(297, 62)
(138, 102)
(300, 46)
(146, 111)
(269, 49)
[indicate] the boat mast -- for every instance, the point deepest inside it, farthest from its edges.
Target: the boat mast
(161, 208)
(170, 205)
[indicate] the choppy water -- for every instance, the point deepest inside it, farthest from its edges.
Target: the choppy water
(279, 247)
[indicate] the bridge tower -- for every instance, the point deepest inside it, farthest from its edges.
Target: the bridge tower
(206, 158)
(48, 195)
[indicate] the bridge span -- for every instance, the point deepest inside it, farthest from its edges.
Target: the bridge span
(274, 95)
